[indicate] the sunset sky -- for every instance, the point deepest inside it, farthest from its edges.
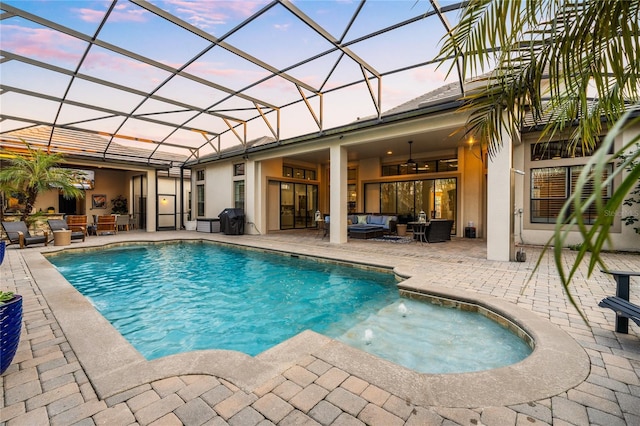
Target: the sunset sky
(276, 38)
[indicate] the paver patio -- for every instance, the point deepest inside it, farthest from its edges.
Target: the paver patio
(51, 382)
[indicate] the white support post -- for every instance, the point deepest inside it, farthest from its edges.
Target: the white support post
(252, 198)
(500, 204)
(338, 197)
(152, 200)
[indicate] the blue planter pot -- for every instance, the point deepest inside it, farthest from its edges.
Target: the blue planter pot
(3, 247)
(10, 325)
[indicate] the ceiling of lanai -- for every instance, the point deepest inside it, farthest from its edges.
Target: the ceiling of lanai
(178, 80)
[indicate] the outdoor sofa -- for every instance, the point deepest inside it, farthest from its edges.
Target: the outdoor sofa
(387, 222)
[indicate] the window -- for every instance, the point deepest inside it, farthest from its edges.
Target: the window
(238, 169)
(200, 191)
(352, 174)
(199, 174)
(552, 186)
(298, 173)
(352, 198)
(421, 166)
(436, 197)
(238, 194)
(557, 150)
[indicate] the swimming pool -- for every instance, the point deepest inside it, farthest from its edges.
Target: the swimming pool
(180, 297)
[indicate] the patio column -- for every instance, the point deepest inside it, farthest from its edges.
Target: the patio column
(500, 203)
(338, 196)
(252, 198)
(152, 200)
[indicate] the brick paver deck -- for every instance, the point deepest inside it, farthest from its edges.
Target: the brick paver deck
(46, 383)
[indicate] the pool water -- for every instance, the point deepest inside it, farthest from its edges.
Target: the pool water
(179, 297)
(430, 338)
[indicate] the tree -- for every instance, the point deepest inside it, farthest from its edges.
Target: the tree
(573, 66)
(34, 172)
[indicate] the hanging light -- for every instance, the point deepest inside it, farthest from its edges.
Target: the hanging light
(410, 161)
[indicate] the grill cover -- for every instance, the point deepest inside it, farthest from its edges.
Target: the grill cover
(232, 221)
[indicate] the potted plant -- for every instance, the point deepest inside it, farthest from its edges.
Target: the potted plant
(10, 324)
(51, 209)
(119, 205)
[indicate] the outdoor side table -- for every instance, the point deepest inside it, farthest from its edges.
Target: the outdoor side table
(62, 238)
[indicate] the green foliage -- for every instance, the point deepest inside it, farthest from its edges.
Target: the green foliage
(569, 64)
(119, 205)
(574, 67)
(5, 296)
(34, 172)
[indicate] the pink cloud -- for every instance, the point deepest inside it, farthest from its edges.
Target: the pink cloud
(207, 14)
(123, 12)
(42, 44)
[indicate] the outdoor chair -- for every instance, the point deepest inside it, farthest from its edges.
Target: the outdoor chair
(106, 225)
(122, 221)
(439, 230)
(62, 225)
(18, 233)
(77, 223)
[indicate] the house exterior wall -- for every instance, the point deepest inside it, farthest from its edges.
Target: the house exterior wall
(218, 189)
(503, 199)
(622, 237)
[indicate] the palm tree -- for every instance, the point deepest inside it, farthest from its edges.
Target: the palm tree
(34, 172)
(572, 66)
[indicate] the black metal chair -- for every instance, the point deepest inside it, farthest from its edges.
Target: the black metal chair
(61, 225)
(18, 233)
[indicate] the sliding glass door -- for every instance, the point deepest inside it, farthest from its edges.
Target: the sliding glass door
(436, 197)
(298, 204)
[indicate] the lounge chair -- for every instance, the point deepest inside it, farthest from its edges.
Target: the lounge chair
(18, 233)
(106, 225)
(61, 225)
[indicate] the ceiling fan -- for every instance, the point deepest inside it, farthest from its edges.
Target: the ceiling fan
(410, 161)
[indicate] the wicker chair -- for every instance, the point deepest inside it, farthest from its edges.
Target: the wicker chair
(61, 225)
(18, 233)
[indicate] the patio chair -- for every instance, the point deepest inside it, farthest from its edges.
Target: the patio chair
(106, 225)
(439, 230)
(122, 221)
(77, 223)
(62, 225)
(18, 233)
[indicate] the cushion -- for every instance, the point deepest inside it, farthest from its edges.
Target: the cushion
(377, 220)
(389, 219)
(362, 219)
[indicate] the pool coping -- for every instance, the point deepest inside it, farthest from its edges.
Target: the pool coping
(558, 362)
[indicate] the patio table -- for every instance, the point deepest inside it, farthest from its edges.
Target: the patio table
(364, 232)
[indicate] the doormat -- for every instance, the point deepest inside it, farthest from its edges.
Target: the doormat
(393, 239)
